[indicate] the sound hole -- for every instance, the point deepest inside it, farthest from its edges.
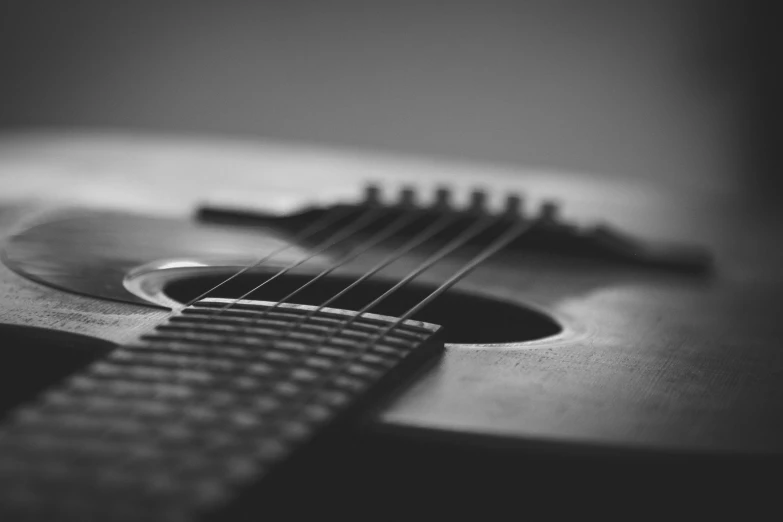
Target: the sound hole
(33, 359)
(467, 318)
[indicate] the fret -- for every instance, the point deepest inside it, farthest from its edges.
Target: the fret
(170, 427)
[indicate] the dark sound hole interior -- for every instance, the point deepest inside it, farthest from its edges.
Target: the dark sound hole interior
(34, 359)
(467, 318)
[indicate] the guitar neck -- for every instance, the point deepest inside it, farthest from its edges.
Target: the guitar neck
(220, 398)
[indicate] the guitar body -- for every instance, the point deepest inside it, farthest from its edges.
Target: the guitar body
(550, 355)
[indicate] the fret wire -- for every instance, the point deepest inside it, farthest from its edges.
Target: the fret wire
(398, 224)
(362, 221)
(470, 233)
(426, 234)
(473, 231)
(501, 242)
(461, 240)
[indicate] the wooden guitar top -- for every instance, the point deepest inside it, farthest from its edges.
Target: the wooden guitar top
(645, 359)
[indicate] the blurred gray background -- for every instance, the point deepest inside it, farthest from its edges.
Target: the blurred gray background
(670, 90)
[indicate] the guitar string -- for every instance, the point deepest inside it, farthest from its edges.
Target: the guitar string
(456, 243)
(426, 234)
(499, 244)
(502, 241)
(361, 222)
(430, 231)
(302, 235)
(467, 235)
(461, 240)
(384, 234)
(470, 233)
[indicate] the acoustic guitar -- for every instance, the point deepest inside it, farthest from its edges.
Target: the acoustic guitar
(198, 329)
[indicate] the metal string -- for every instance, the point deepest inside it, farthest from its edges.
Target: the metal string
(426, 234)
(361, 222)
(384, 234)
(461, 240)
(303, 234)
(436, 227)
(497, 245)
(471, 232)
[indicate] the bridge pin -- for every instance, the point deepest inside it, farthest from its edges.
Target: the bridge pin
(372, 194)
(513, 206)
(550, 211)
(478, 199)
(408, 197)
(442, 198)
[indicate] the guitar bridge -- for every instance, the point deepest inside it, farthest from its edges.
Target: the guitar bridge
(549, 232)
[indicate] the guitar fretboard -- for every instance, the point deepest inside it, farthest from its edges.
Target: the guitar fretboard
(212, 402)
